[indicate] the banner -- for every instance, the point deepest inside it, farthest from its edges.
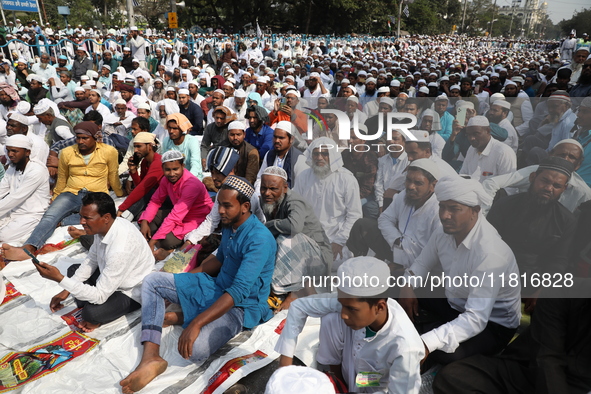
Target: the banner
(20, 5)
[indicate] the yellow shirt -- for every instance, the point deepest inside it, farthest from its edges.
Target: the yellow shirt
(73, 174)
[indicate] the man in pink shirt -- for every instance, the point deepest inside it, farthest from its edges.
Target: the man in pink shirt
(165, 227)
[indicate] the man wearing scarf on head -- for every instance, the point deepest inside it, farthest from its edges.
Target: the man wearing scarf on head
(88, 166)
(9, 99)
(474, 319)
(24, 191)
(178, 138)
(332, 190)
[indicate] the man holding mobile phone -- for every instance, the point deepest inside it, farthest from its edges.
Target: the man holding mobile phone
(315, 89)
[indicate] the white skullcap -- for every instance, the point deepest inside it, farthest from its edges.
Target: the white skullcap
(300, 380)
(262, 79)
(442, 97)
(19, 141)
(345, 80)
(35, 77)
(502, 103)
(510, 83)
(120, 101)
(239, 93)
(314, 75)
(275, 171)
(453, 87)
(228, 84)
(184, 91)
(496, 96)
(387, 100)
(170, 89)
(84, 77)
(585, 103)
(517, 79)
(23, 107)
(384, 89)
(107, 67)
(172, 155)
(375, 270)
(285, 126)
(127, 49)
(428, 165)
(464, 191)
(41, 107)
(236, 125)
(478, 121)
(353, 98)
(22, 119)
(290, 77)
(494, 75)
(145, 106)
(424, 89)
(395, 83)
(569, 141)
(370, 79)
(420, 135)
(295, 92)
(220, 91)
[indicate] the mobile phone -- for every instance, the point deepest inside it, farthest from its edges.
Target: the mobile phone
(461, 115)
(33, 258)
(283, 101)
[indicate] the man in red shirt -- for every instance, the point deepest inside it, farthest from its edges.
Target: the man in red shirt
(145, 181)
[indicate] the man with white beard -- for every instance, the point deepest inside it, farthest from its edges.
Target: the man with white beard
(303, 249)
(332, 190)
(165, 107)
(579, 58)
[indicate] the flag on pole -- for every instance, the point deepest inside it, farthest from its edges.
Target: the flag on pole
(389, 26)
(406, 12)
(259, 31)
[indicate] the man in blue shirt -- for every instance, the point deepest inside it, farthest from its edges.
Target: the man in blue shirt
(225, 294)
(259, 134)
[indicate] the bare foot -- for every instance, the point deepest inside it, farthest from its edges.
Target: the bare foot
(173, 319)
(287, 301)
(88, 327)
(75, 233)
(16, 254)
(143, 374)
(160, 254)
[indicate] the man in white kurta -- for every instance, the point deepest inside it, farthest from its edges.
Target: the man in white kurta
(24, 192)
(485, 315)
(390, 356)
(331, 190)
(390, 166)
(407, 224)
(486, 156)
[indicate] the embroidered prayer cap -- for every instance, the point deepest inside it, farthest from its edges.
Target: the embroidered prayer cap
(41, 108)
(427, 165)
(172, 155)
(276, 171)
(19, 141)
(223, 159)
(559, 164)
(239, 93)
(301, 380)
(352, 272)
(464, 191)
(144, 137)
(561, 95)
(240, 184)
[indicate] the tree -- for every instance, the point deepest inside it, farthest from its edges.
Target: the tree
(579, 22)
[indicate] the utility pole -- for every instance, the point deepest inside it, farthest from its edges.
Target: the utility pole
(129, 6)
(512, 15)
(464, 15)
(493, 18)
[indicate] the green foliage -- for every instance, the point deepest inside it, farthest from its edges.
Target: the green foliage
(579, 22)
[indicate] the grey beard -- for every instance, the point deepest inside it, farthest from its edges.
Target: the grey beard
(162, 122)
(321, 171)
(269, 209)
